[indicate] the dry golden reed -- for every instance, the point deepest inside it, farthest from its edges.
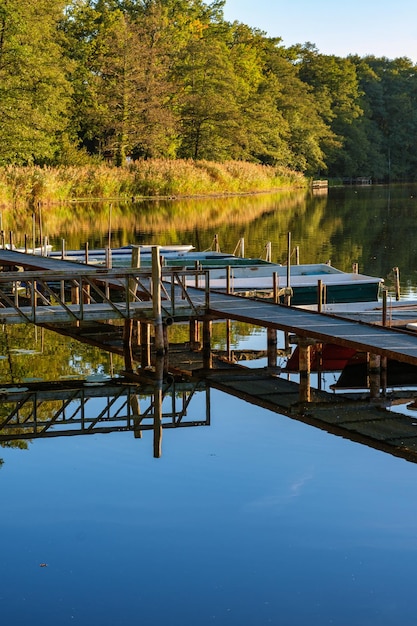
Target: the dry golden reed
(26, 186)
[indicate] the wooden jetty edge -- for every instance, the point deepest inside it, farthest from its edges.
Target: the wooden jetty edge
(158, 298)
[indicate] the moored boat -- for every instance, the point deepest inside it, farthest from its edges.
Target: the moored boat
(257, 280)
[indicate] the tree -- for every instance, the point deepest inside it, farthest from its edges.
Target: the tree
(34, 90)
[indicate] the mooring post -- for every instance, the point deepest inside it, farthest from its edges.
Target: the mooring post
(304, 347)
(86, 252)
(319, 296)
(384, 307)
(228, 279)
(272, 345)
(156, 301)
(275, 287)
(268, 256)
(289, 260)
(396, 271)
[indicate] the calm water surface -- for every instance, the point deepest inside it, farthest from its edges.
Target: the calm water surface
(256, 519)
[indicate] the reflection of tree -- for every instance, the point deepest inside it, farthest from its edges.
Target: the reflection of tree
(349, 225)
(40, 354)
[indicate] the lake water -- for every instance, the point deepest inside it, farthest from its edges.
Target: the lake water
(253, 519)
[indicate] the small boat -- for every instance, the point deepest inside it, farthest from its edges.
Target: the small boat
(120, 256)
(256, 280)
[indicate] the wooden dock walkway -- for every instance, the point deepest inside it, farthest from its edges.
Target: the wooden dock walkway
(141, 297)
(391, 343)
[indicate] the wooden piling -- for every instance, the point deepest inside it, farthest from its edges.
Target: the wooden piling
(194, 334)
(207, 333)
(145, 345)
(374, 375)
(268, 256)
(304, 346)
(156, 300)
(396, 271)
(272, 345)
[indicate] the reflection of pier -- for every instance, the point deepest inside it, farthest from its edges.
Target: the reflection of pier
(44, 410)
(351, 417)
(48, 410)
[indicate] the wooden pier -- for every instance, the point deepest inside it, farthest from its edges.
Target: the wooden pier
(158, 297)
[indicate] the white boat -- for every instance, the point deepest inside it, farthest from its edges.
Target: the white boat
(258, 281)
(121, 256)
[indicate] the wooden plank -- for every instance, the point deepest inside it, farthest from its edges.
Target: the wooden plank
(319, 326)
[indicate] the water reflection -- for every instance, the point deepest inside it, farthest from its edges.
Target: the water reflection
(78, 408)
(47, 410)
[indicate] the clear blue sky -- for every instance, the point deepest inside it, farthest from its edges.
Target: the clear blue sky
(383, 27)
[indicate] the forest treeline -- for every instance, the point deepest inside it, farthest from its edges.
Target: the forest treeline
(84, 81)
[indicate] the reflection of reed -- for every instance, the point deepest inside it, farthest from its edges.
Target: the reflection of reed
(151, 215)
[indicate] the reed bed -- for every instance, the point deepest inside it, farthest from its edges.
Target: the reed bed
(28, 186)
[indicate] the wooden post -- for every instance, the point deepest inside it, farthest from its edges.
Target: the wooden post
(384, 382)
(275, 287)
(319, 295)
(304, 347)
(135, 264)
(145, 345)
(297, 255)
(194, 334)
(374, 375)
(216, 243)
(33, 233)
(242, 247)
(207, 356)
(86, 252)
(10, 240)
(228, 279)
(319, 361)
(26, 244)
(396, 271)
(272, 345)
(384, 307)
(157, 424)
(127, 345)
(289, 260)
(355, 268)
(156, 300)
(268, 255)
(62, 248)
(109, 261)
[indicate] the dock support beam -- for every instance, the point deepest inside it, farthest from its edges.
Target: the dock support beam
(145, 345)
(304, 346)
(272, 345)
(207, 355)
(374, 375)
(156, 298)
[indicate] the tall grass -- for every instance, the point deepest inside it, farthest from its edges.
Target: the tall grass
(22, 186)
